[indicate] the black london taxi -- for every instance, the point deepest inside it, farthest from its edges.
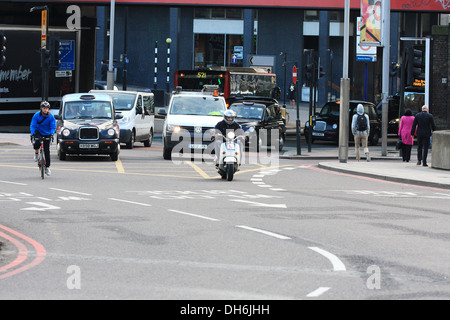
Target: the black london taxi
(326, 125)
(87, 124)
(260, 117)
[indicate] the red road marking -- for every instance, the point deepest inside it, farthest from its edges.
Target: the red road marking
(22, 253)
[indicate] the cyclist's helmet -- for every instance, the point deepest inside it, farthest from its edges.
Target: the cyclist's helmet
(229, 116)
(45, 104)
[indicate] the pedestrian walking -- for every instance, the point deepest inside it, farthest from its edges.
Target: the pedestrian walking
(425, 125)
(291, 94)
(360, 130)
(404, 131)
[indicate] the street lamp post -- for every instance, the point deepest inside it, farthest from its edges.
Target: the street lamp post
(110, 75)
(284, 79)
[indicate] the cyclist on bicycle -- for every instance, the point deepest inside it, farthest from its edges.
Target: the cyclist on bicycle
(43, 124)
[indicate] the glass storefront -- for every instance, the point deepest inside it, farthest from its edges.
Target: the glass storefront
(211, 50)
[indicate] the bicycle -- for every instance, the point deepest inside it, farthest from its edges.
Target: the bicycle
(41, 154)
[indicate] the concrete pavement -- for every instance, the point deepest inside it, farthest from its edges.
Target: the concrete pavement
(389, 168)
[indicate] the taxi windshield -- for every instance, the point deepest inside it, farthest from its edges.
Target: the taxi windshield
(87, 110)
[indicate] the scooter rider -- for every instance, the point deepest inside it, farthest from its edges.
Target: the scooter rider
(223, 127)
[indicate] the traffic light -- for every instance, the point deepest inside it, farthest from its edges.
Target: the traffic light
(394, 69)
(309, 72)
(415, 72)
(54, 52)
(321, 73)
(45, 58)
(2, 49)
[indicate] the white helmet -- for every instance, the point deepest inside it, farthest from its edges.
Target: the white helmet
(229, 116)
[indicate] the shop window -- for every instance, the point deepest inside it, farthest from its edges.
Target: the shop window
(208, 50)
(234, 13)
(217, 13)
(202, 13)
(311, 15)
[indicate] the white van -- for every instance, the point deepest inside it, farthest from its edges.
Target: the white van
(138, 111)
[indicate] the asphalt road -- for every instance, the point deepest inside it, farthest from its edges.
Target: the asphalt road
(146, 228)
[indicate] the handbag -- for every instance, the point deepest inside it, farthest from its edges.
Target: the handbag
(399, 144)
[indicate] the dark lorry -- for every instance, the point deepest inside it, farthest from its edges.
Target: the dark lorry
(21, 85)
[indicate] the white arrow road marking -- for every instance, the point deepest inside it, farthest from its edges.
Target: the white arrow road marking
(337, 264)
(259, 204)
(44, 206)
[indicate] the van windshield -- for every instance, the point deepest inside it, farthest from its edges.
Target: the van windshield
(198, 105)
(123, 101)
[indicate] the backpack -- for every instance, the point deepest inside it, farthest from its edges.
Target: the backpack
(361, 122)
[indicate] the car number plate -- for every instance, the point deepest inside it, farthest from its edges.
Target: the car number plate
(230, 146)
(197, 146)
(88, 145)
(318, 134)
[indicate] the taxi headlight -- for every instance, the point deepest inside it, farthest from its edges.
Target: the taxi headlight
(65, 132)
(111, 132)
(334, 126)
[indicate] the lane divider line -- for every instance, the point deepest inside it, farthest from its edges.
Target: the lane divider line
(133, 202)
(272, 234)
(319, 291)
(193, 215)
(119, 166)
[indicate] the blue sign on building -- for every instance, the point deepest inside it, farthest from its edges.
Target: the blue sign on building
(67, 55)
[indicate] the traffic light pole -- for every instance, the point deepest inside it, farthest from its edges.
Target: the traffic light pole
(45, 54)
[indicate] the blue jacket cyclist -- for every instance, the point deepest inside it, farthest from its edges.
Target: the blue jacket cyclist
(43, 124)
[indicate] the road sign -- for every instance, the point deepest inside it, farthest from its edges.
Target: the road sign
(261, 60)
(234, 58)
(294, 74)
(63, 73)
(67, 55)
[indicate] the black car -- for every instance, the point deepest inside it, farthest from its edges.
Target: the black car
(87, 125)
(258, 120)
(393, 113)
(326, 125)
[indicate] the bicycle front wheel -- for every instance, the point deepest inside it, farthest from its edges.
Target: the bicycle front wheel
(42, 163)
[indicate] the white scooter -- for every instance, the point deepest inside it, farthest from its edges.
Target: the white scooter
(229, 157)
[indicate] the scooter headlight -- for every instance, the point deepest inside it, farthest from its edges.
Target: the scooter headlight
(230, 135)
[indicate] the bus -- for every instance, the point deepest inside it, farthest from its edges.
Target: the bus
(232, 81)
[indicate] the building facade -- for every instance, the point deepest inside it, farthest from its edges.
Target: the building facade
(223, 34)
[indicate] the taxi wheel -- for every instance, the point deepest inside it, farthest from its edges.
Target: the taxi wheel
(115, 156)
(61, 155)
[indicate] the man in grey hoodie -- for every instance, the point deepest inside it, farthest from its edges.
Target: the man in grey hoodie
(360, 130)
